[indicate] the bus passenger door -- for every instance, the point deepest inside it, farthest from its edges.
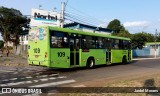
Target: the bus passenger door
(129, 55)
(74, 50)
(108, 56)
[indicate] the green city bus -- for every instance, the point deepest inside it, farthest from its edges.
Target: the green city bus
(55, 47)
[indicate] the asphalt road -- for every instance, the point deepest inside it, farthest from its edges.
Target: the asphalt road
(136, 67)
(34, 76)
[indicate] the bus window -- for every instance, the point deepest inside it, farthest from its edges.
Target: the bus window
(59, 40)
(115, 44)
(75, 41)
(88, 42)
(121, 44)
(108, 43)
(99, 43)
(93, 42)
(127, 45)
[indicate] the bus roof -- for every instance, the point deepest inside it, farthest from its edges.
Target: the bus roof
(85, 33)
(152, 43)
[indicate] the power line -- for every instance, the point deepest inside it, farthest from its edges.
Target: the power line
(78, 21)
(66, 3)
(81, 18)
(74, 19)
(85, 13)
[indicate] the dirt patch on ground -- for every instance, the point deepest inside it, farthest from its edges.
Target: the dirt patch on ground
(103, 82)
(13, 60)
(134, 81)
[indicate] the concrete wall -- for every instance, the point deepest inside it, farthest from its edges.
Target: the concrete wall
(147, 51)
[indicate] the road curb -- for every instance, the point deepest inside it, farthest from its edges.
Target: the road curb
(145, 58)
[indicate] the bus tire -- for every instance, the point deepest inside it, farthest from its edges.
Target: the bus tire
(90, 63)
(124, 60)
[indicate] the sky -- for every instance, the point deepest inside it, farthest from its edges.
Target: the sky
(135, 15)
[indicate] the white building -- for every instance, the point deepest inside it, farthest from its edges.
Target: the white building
(23, 41)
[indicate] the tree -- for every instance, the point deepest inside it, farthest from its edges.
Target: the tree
(119, 29)
(150, 37)
(1, 44)
(139, 39)
(123, 33)
(11, 23)
(158, 38)
(115, 25)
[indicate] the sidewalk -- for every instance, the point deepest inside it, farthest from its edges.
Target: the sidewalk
(145, 58)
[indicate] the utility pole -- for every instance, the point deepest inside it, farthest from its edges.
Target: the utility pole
(155, 47)
(62, 15)
(40, 7)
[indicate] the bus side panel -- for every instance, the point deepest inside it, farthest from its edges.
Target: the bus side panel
(60, 57)
(84, 56)
(117, 55)
(99, 56)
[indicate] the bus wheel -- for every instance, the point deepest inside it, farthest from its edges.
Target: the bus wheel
(90, 63)
(124, 60)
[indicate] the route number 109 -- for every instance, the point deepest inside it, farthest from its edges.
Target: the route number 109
(61, 54)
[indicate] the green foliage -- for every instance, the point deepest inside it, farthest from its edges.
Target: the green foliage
(123, 33)
(139, 39)
(115, 25)
(118, 28)
(1, 44)
(158, 38)
(11, 23)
